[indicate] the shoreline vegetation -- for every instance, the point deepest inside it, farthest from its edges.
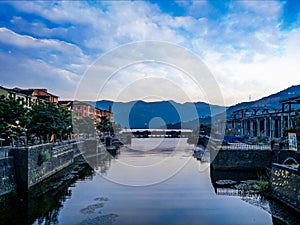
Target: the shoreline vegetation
(23, 124)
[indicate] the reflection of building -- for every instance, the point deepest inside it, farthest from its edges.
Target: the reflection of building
(81, 109)
(263, 121)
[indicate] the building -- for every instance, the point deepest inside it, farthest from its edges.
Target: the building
(81, 109)
(41, 94)
(26, 100)
(263, 121)
(28, 97)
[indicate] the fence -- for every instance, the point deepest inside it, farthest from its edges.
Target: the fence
(242, 146)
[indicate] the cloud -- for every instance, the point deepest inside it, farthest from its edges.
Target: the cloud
(28, 73)
(38, 29)
(260, 77)
(242, 42)
(24, 41)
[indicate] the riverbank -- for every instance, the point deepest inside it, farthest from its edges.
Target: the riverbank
(99, 196)
(24, 167)
(276, 165)
(44, 199)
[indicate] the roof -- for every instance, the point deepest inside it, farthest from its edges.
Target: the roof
(32, 92)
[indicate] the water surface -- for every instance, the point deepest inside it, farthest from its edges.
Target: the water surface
(142, 185)
(136, 190)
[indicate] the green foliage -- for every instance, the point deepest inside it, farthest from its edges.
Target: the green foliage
(44, 156)
(43, 120)
(105, 126)
(263, 187)
(13, 119)
(84, 125)
(48, 119)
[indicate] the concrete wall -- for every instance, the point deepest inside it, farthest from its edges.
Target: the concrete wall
(23, 167)
(249, 160)
(241, 160)
(285, 181)
(35, 163)
(285, 185)
(280, 156)
(7, 175)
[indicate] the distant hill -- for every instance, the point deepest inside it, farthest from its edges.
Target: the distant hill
(190, 124)
(271, 101)
(140, 114)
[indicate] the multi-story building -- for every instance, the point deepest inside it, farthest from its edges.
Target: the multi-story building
(28, 96)
(81, 109)
(41, 94)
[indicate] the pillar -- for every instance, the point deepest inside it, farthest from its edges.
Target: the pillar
(257, 127)
(281, 126)
(265, 126)
(272, 127)
(251, 128)
(242, 127)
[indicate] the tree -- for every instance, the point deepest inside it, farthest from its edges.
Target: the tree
(84, 125)
(13, 119)
(105, 126)
(48, 120)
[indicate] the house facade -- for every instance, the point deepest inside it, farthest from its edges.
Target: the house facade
(82, 109)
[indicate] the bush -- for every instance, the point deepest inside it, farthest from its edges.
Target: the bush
(44, 156)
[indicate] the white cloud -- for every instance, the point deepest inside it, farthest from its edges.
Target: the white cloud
(260, 77)
(269, 9)
(24, 41)
(243, 47)
(18, 71)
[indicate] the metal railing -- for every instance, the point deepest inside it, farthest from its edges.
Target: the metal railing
(4, 152)
(243, 146)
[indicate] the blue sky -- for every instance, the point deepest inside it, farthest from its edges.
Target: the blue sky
(250, 47)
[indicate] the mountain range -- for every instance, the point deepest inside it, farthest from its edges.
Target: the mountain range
(140, 114)
(170, 114)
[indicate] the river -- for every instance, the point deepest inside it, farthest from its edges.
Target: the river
(152, 181)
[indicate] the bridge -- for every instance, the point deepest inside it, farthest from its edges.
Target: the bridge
(156, 133)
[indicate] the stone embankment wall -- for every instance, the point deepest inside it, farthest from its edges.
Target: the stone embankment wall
(35, 163)
(285, 185)
(285, 180)
(7, 172)
(23, 167)
(241, 160)
(249, 160)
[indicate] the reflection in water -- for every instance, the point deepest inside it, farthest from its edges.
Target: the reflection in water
(43, 202)
(79, 195)
(281, 215)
